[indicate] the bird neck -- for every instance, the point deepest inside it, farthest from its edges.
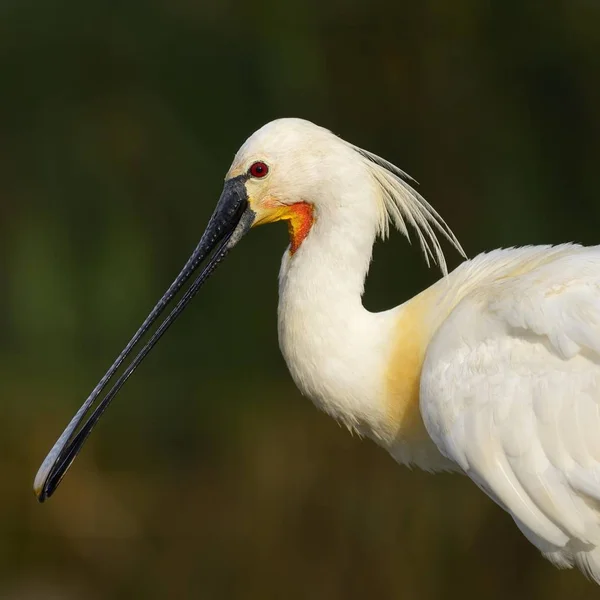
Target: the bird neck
(323, 278)
(329, 340)
(362, 368)
(337, 251)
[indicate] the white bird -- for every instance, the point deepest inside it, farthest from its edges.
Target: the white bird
(493, 371)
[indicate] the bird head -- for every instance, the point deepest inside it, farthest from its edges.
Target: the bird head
(289, 170)
(298, 172)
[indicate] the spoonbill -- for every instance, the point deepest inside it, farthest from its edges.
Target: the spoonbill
(493, 371)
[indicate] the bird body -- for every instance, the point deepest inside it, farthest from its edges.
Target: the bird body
(510, 391)
(493, 371)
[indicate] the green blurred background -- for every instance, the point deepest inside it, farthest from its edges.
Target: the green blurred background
(211, 477)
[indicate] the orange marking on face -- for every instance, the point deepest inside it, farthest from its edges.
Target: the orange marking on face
(300, 221)
(299, 216)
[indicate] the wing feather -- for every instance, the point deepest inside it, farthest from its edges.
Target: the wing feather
(510, 390)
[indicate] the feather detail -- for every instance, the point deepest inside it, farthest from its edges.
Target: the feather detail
(402, 204)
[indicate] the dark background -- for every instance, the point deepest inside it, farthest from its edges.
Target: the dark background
(211, 477)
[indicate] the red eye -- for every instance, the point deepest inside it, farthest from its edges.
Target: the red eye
(258, 170)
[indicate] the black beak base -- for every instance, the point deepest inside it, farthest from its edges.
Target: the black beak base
(230, 221)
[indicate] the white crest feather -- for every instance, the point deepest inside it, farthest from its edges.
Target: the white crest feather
(402, 204)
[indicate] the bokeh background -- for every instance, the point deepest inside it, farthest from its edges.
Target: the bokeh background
(211, 477)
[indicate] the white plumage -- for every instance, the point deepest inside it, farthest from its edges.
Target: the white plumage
(510, 391)
(493, 371)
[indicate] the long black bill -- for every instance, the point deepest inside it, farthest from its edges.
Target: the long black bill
(231, 219)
